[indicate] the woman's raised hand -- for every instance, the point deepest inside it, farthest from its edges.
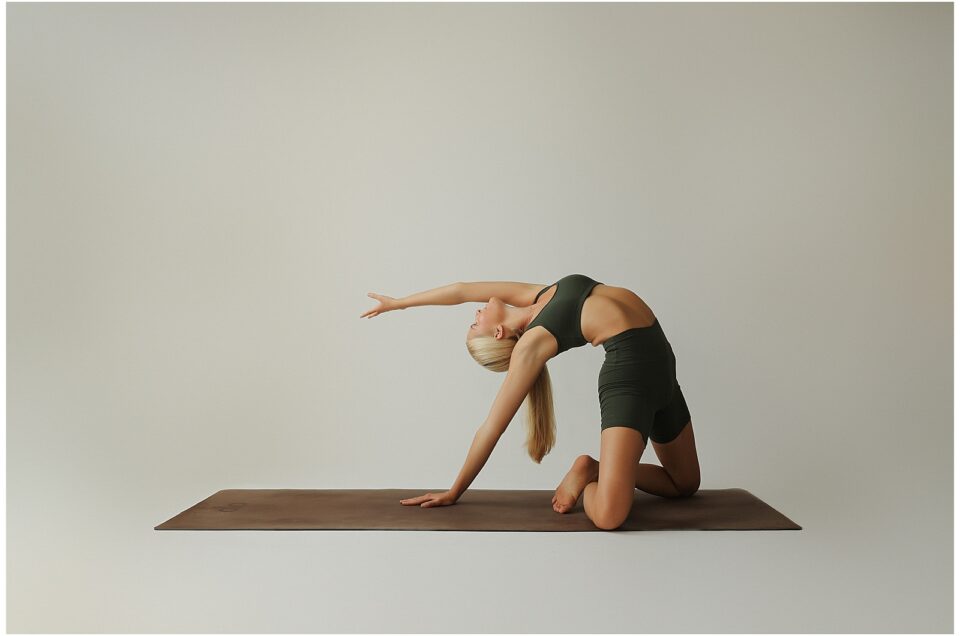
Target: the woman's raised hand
(384, 304)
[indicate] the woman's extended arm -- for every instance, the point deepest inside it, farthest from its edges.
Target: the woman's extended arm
(512, 293)
(446, 295)
(451, 294)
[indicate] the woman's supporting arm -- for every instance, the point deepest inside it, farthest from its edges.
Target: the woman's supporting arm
(483, 444)
(446, 295)
(526, 363)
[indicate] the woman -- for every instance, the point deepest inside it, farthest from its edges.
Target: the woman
(521, 327)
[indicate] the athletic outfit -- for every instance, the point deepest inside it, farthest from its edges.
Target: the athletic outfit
(638, 385)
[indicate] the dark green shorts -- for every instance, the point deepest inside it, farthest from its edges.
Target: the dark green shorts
(638, 385)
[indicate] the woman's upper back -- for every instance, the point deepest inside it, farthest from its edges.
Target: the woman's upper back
(578, 309)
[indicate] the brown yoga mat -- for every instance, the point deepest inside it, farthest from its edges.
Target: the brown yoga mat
(485, 510)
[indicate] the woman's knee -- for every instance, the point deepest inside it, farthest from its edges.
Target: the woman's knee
(613, 507)
(610, 520)
(689, 487)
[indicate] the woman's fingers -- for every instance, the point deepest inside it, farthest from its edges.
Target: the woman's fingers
(416, 500)
(370, 313)
(430, 500)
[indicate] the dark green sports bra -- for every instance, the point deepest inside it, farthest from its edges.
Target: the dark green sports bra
(561, 316)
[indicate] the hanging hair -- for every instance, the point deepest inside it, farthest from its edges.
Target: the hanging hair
(495, 354)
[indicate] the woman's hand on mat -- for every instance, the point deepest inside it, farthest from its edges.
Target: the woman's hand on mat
(384, 304)
(432, 499)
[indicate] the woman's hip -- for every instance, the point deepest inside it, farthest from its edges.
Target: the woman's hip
(652, 380)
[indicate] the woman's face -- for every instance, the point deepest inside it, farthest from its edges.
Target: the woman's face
(486, 319)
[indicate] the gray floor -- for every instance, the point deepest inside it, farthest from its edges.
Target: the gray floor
(841, 573)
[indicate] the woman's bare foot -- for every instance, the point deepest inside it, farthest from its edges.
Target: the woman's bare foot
(584, 470)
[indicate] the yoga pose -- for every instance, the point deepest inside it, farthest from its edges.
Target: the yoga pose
(522, 326)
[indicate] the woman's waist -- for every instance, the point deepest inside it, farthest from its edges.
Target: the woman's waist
(634, 337)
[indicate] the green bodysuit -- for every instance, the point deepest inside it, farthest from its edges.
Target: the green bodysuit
(561, 316)
(637, 385)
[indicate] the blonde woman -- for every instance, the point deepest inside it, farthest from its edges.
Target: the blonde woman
(520, 328)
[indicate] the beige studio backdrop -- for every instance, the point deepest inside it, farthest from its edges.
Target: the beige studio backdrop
(200, 197)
